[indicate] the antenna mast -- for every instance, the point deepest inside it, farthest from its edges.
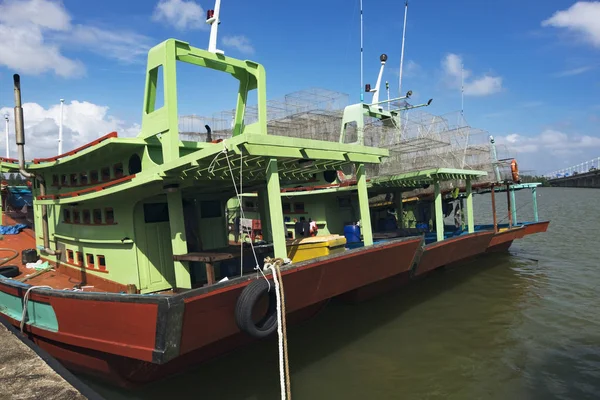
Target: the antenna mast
(361, 52)
(402, 53)
(212, 18)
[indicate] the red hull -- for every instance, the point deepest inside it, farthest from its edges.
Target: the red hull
(132, 339)
(451, 250)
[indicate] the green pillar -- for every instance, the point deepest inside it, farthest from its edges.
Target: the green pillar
(536, 218)
(263, 209)
(470, 221)
(513, 206)
(399, 209)
(275, 209)
(439, 215)
(363, 200)
(183, 279)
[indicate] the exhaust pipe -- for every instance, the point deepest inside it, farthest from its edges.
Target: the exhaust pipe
(20, 139)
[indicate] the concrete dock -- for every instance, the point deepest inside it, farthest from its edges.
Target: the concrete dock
(27, 372)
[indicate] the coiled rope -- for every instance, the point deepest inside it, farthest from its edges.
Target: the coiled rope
(284, 369)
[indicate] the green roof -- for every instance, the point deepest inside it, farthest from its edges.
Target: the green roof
(419, 178)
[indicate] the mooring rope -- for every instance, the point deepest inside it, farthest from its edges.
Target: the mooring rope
(26, 300)
(284, 369)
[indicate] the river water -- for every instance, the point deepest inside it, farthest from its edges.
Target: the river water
(522, 325)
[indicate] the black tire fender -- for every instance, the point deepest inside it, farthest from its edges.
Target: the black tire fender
(10, 271)
(245, 304)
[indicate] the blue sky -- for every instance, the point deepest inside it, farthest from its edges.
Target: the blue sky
(531, 68)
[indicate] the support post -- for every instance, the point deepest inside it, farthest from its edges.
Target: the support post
(536, 218)
(509, 203)
(513, 206)
(439, 215)
(183, 278)
(363, 200)
(263, 209)
(470, 221)
(494, 208)
(399, 209)
(275, 209)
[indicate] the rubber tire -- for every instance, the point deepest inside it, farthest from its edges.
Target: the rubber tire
(10, 271)
(245, 304)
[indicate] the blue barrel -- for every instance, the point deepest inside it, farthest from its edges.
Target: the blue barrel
(352, 233)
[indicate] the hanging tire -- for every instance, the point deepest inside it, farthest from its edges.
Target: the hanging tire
(246, 303)
(10, 271)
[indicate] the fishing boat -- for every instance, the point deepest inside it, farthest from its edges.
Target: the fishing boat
(128, 274)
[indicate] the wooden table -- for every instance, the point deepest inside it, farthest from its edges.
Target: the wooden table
(211, 257)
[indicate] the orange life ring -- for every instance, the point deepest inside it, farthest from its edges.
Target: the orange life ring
(514, 168)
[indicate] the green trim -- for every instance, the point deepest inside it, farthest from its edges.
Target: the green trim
(276, 210)
(93, 241)
(39, 315)
(417, 178)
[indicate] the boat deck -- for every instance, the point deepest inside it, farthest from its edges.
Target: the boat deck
(53, 277)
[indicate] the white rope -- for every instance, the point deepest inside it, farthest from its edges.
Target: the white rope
(26, 300)
(279, 331)
(239, 194)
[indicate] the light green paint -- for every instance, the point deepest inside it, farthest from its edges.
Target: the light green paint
(470, 210)
(275, 210)
(178, 239)
(513, 206)
(363, 199)
(39, 315)
(439, 215)
(536, 217)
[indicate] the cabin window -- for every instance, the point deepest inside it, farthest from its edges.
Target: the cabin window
(73, 179)
(83, 178)
(75, 216)
(54, 180)
(79, 258)
(70, 256)
(86, 216)
(105, 174)
(94, 176)
(156, 212)
(97, 216)
(101, 262)
(90, 260)
(63, 180)
(299, 208)
(135, 164)
(210, 209)
(118, 170)
(287, 208)
(109, 215)
(67, 216)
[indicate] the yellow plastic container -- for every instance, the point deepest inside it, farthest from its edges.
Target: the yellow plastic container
(316, 246)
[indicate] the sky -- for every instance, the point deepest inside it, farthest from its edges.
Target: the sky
(531, 69)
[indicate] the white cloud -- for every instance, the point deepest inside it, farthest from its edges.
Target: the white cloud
(581, 20)
(124, 46)
(181, 14)
(545, 150)
(23, 45)
(455, 75)
(32, 34)
(82, 122)
(239, 42)
(574, 71)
